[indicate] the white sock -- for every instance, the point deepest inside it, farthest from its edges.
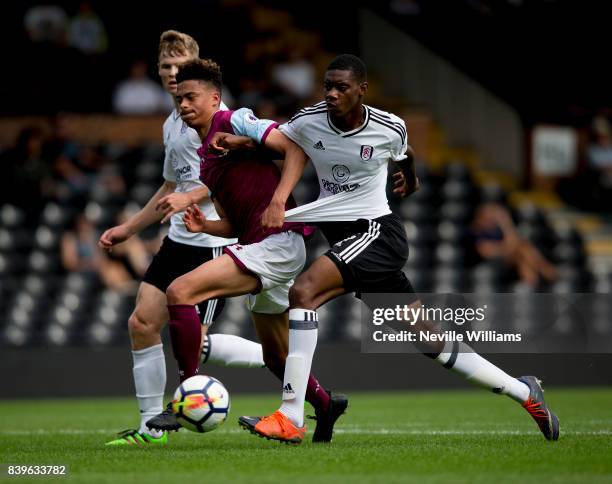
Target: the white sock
(232, 351)
(303, 334)
(462, 359)
(150, 383)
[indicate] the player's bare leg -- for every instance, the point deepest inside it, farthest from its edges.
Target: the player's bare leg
(144, 325)
(463, 360)
(219, 277)
(320, 283)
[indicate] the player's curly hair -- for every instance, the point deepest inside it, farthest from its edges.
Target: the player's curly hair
(350, 62)
(174, 44)
(204, 70)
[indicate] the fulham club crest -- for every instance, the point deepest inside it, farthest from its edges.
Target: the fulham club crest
(366, 152)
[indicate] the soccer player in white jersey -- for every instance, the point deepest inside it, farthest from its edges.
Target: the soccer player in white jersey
(181, 252)
(350, 145)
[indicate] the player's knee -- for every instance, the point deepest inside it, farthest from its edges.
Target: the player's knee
(301, 295)
(138, 326)
(177, 292)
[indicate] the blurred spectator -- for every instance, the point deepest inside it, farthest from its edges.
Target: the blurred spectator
(252, 90)
(591, 189)
(27, 181)
(86, 31)
(140, 95)
(49, 53)
(110, 185)
(79, 247)
(296, 75)
(495, 237)
(123, 266)
(599, 160)
(118, 270)
(46, 23)
(62, 153)
(599, 151)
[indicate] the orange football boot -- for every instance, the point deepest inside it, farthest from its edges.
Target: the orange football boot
(274, 427)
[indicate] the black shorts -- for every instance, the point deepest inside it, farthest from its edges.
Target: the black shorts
(172, 261)
(370, 254)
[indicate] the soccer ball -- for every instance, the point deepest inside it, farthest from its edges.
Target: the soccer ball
(201, 403)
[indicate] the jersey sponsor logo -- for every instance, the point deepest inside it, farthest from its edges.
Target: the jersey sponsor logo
(319, 145)
(341, 173)
(182, 171)
(366, 152)
(335, 188)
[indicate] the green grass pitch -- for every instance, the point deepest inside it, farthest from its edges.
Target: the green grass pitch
(458, 436)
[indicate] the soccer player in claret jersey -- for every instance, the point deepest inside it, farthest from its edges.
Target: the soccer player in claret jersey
(181, 252)
(350, 145)
(265, 261)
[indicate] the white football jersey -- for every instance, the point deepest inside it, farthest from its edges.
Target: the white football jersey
(351, 166)
(182, 166)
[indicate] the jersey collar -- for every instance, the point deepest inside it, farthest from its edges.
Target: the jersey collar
(346, 134)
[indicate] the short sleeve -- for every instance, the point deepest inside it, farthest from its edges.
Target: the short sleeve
(399, 140)
(169, 174)
(292, 131)
(245, 123)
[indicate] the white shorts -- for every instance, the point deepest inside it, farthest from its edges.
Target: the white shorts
(276, 261)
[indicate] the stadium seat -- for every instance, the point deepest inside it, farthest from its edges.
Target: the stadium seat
(450, 280)
(420, 258)
(46, 238)
(538, 233)
(492, 193)
(153, 153)
(417, 212)
(148, 171)
(569, 254)
(56, 216)
(457, 170)
(420, 235)
(11, 264)
(44, 262)
(83, 283)
(449, 254)
(421, 279)
(101, 215)
(142, 192)
(452, 233)
(424, 195)
(458, 191)
(11, 216)
(458, 213)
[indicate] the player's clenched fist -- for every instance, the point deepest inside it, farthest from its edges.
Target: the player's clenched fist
(194, 219)
(114, 236)
(221, 143)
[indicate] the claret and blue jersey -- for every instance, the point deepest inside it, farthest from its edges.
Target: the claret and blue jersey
(243, 182)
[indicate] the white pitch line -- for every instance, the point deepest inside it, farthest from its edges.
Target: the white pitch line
(347, 431)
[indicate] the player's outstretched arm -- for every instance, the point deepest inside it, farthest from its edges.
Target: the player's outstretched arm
(406, 181)
(293, 167)
(143, 218)
(221, 143)
(177, 202)
(195, 221)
